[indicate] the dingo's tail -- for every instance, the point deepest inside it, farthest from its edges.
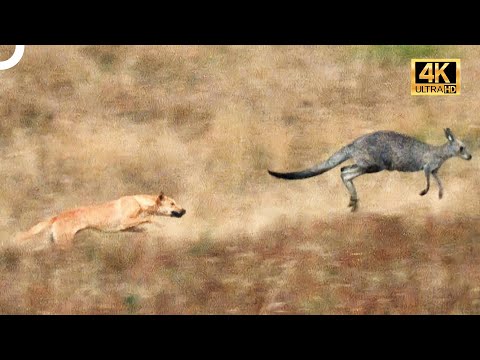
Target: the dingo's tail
(336, 159)
(36, 229)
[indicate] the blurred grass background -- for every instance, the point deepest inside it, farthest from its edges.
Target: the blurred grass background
(87, 124)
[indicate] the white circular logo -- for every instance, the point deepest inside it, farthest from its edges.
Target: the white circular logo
(17, 55)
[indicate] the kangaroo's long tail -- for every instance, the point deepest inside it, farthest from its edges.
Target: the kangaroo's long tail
(34, 230)
(336, 159)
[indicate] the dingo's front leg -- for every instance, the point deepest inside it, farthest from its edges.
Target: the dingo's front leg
(133, 222)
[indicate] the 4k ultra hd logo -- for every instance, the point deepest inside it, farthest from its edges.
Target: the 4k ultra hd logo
(435, 76)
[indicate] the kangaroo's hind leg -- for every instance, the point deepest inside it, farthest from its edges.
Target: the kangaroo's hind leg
(348, 173)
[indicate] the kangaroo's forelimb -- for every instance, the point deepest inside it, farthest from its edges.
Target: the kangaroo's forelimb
(427, 175)
(440, 186)
(434, 173)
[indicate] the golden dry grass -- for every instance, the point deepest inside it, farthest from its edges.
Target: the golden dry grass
(86, 124)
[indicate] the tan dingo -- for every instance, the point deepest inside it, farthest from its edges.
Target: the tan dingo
(121, 214)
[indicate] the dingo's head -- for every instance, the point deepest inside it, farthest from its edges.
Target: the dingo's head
(458, 147)
(168, 207)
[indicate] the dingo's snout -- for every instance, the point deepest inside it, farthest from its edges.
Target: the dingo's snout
(179, 214)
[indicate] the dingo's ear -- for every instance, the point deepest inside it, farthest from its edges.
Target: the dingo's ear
(449, 134)
(160, 197)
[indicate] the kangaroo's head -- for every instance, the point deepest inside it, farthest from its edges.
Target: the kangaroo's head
(168, 207)
(456, 146)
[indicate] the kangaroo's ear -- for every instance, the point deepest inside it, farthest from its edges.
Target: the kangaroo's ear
(449, 135)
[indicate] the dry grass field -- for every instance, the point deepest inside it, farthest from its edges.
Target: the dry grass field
(87, 124)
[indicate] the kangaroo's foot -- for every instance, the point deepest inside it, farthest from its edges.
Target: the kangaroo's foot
(353, 204)
(423, 192)
(440, 194)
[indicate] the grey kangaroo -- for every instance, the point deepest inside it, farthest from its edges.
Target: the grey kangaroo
(386, 150)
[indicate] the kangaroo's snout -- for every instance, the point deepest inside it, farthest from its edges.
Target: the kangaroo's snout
(179, 214)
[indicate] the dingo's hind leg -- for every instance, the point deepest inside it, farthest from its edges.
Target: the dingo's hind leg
(61, 237)
(134, 230)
